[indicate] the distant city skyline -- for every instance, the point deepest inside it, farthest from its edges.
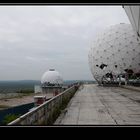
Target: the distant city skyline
(34, 39)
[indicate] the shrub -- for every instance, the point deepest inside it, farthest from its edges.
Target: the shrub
(9, 118)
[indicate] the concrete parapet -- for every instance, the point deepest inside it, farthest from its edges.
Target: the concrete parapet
(48, 112)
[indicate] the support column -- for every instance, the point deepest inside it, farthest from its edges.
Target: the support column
(119, 80)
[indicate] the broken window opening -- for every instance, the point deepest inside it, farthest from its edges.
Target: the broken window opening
(102, 66)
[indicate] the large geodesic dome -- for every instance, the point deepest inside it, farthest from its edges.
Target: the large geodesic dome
(115, 52)
(51, 77)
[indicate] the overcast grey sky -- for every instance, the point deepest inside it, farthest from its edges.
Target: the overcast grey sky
(36, 38)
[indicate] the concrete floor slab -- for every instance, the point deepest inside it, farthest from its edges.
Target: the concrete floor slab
(95, 105)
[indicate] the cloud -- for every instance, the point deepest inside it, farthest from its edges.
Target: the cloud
(36, 38)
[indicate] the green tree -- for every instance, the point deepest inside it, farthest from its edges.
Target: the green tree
(9, 118)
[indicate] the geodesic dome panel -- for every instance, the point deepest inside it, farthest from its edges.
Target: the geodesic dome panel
(114, 50)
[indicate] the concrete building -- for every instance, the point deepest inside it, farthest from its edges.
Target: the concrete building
(37, 89)
(133, 13)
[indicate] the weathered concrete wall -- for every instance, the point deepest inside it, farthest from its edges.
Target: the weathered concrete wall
(48, 112)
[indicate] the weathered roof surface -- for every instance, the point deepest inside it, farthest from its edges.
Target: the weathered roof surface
(95, 105)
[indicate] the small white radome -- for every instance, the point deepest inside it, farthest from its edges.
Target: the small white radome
(51, 76)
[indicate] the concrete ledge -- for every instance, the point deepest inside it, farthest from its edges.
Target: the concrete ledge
(46, 113)
(131, 87)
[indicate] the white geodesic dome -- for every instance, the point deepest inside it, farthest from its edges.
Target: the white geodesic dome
(51, 77)
(115, 50)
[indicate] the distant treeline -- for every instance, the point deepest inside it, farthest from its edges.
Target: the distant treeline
(16, 86)
(25, 91)
(68, 82)
(28, 85)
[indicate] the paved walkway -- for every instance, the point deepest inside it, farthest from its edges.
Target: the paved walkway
(94, 105)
